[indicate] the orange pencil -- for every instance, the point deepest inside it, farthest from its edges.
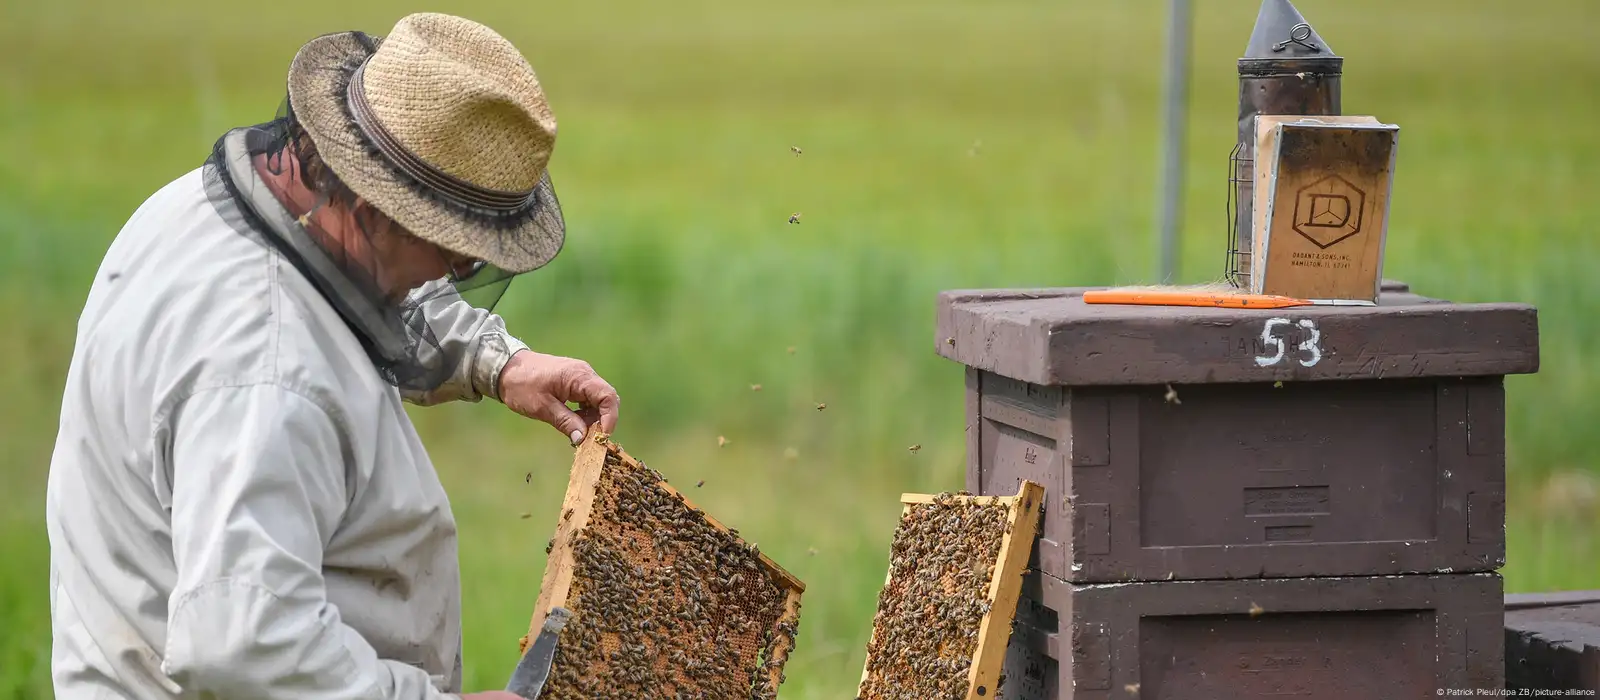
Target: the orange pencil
(1212, 299)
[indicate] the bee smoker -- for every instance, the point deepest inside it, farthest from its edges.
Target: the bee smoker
(1287, 69)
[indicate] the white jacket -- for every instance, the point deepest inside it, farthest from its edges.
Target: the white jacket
(238, 505)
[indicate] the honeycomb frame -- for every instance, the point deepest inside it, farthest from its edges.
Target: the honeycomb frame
(578, 515)
(1003, 587)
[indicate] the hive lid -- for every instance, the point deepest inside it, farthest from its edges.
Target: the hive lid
(1279, 34)
(1051, 337)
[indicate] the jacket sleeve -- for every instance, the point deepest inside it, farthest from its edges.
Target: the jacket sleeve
(479, 336)
(259, 485)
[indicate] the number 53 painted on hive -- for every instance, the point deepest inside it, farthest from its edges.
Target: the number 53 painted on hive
(1310, 349)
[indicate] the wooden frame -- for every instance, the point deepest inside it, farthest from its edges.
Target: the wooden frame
(1005, 586)
(577, 508)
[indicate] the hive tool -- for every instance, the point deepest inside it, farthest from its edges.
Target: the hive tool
(528, 678)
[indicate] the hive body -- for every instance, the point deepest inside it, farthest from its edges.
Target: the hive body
(1340, 468)
(1323, 638)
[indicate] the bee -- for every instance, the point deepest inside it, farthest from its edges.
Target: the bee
(794, 218)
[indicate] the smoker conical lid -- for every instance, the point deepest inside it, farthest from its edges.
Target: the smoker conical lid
(1276, 28)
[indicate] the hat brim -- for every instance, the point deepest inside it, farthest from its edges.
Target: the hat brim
(318, 78)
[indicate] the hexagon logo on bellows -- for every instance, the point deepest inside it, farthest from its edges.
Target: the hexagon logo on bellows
(1329, 210)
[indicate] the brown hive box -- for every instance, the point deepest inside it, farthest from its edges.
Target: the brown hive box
(1201, 443)
(666, 602)
(1336, 638)
(1553, 642)
(944, 614)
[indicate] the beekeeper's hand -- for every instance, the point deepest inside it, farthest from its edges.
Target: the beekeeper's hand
(539, 386)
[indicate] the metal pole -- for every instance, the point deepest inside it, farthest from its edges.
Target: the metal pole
(1175, 118)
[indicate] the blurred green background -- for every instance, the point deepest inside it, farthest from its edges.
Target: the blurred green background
(945, 145)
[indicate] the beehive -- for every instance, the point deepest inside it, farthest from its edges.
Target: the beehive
(1206, 443)
(666, 601)
(944, 615)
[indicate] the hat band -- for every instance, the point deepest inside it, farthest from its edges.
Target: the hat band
(441, 182)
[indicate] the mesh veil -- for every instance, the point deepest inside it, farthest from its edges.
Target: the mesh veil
(333, 241)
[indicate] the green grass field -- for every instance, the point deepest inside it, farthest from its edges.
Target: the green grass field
(946, 145)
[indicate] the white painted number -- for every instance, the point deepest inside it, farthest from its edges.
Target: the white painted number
(1310, 349)
(1312, 345)
(1271, 341)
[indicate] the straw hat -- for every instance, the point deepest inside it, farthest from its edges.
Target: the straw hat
(443, 127)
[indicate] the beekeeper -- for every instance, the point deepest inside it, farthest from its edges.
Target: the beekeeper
(238, 505)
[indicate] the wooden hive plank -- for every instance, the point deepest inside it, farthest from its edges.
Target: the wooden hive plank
(892, 673)
(580, 512)
(1552, 643)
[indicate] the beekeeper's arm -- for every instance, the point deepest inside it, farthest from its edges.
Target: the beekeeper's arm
(477, 336)
(537, 385)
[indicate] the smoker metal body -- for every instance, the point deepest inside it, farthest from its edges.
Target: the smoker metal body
(1287, 69)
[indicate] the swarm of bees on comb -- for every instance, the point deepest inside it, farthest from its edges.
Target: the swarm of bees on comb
(667, 603)
(945, 612)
